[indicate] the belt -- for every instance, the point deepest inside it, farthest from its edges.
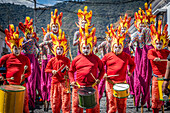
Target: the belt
(87, 86)
(155, 75)
(22, 83)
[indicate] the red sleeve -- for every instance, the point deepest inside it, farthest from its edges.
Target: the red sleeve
(131, 64)
(101, 68)
(150, 55)
(71, 71)
(104, 59)
(28, 71)
(4, 59)
(48, 68)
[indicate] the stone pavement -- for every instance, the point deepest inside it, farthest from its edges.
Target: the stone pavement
(130, 107)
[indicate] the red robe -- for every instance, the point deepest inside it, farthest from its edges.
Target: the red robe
(117, 64)
(59, 97)
(15, 67)
(83, 66)
(54, 64)
(159, 69)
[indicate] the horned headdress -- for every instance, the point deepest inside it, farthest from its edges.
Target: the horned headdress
(59, 41)
(12, 37)
(158, 36)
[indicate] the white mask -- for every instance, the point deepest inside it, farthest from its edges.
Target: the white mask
(117, 49)
(159, 45)
(59, 50)
(109, 39)
(123, 30)
(16, 51)
(86, 49)
(54, 28)
(29, 36)
(83, 22)
(141, 26)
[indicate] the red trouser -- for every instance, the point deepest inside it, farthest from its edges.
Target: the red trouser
(75, 103)
(156, 103)
(114, 103)
(60, 98)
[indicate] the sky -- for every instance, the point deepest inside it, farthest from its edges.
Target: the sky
(29, 3)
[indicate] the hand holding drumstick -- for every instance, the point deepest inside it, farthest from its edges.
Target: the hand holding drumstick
(97, 80)
(56, 71)
(2, 78)
(23, 76)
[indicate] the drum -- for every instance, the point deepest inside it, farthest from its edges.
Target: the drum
(161, 95)
(87, 97)
(121, 90)
(12, 98)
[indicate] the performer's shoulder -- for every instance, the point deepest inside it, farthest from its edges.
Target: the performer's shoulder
(67, 59)
(7, 55)
(77, 57)
(124, 54)
(24, 57)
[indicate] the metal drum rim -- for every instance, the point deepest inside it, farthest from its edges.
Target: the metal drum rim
(13, 90)
(121, 90)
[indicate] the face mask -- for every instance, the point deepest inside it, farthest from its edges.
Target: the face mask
(141, 26)
(86, 49)
(83, 22)
(123, 30)
(60, 50)
(29, 36)
(117, 49)
(16, 51)
(159, 45)
(54, 28)
(109, 39)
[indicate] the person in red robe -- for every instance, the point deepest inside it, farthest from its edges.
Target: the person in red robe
(159, 41)
(16, 63)
(60, 97)
(86, 65)
(116, 64)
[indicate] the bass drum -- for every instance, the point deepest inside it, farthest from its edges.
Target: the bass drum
(12, 98)
(87, 98)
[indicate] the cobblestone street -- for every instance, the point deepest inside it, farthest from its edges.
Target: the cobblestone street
(130, 107)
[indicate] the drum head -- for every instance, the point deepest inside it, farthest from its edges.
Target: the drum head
(121, 87)
(12, 88)
(86, 91)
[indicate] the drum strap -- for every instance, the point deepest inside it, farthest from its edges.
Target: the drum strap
(91, 86)
(155, 75)
(22, 83)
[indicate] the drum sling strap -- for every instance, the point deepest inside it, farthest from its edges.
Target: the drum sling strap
(91, 86)
(22, 83)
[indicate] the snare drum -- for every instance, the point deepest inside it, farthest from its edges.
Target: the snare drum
(12, 98)
(121, 90)
(87, 99)
(160, 83)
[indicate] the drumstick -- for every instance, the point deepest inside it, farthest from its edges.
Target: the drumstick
(12, 78)
(59, 69)
(93, 76)
(25, 68)
(163, 60)
(112, 75)
(78, 86)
